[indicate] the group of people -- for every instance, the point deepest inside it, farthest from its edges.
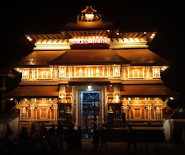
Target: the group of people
(99, 136)
(54, 138)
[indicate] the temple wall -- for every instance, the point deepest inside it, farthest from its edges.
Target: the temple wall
(91, 71)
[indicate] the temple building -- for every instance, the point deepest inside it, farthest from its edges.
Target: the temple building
(91, 73)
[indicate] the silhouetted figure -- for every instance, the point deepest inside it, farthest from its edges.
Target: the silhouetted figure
(9, 132)
(86, 132)
(43, 131)
(79, 138)
(60, 137)
(131, 138)
(32, 129)
(23, 136)
(96, 137)
(70, 138)
(52, 130)
(103, 136)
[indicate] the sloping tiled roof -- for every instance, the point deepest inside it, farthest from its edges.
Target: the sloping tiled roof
(38, 58)
(89, 57)
(34, 91)
(142, 57)
(92, 57)
(146, 90)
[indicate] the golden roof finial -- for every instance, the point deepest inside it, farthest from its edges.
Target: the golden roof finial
(89, 9)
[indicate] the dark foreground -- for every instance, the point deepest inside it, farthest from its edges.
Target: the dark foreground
(111, 148)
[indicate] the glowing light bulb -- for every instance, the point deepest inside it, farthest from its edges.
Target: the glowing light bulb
(89, 16)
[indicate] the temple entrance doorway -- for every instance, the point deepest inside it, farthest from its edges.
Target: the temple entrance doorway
(90, 110)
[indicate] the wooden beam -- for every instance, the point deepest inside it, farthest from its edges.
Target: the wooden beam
(100, 32)
(140, 35)
(135, 35)
(70, 34)
(40, 38)
(45, 37)
(130, 35)
(104, 33)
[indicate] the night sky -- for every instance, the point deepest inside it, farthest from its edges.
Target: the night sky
(24, 17)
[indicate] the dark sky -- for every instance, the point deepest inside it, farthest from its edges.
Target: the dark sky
(20, 18)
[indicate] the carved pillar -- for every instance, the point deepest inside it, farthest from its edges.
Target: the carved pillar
(37, 73)
(103, 71)
(50, 109)
(109, 71)
(125, 110)
(149, 112)
(155, 113)
(145, 105)
(143, 69)
(74, 71)
(129, 108)
(123, 73)
(128, 72)
(51, 72)
(32, 112)
(147, 72)
(55, 112)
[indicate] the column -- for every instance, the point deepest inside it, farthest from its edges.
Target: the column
(51, 72)
(50, 111)
(103, 71)
(128, 71)
(55, 112)
(145, 104)
(37, 73)
(143, 72)
(155, 115)
(123, 73)
(74, 71)
(129, 108)
(149, 112)
(147, 72)
(32, 113)
(107, 71)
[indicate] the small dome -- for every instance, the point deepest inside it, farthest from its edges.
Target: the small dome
(89, 14)
(89, 18)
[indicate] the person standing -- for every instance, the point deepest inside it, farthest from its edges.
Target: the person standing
(9, 132)
(131, 138)
(103, 136)
(79, 138)
(96, 137)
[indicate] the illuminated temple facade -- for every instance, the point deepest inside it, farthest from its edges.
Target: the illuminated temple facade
(91, 73)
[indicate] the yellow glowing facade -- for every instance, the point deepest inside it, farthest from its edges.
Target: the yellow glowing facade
(117, 72)
(128, 81)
